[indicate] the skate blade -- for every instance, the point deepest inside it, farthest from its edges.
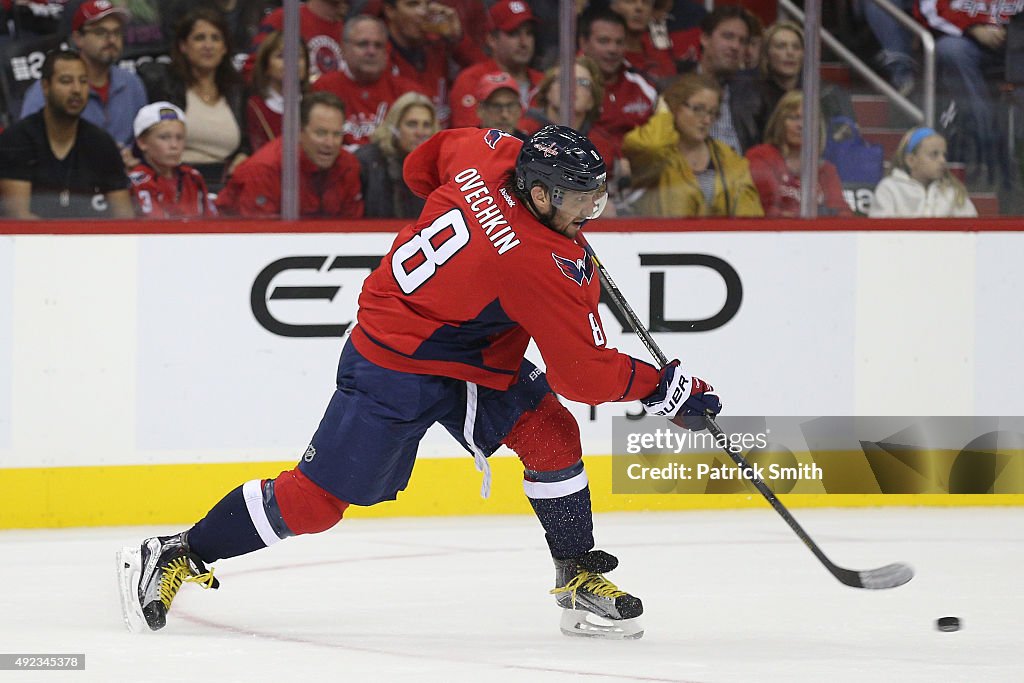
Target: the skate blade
(129, 566)
(583, 624)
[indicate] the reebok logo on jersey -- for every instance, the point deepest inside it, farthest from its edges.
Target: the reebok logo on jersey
(577, 271)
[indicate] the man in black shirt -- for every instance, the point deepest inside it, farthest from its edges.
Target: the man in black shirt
(54, 164)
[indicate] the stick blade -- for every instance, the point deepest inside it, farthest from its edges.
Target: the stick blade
(889, 576)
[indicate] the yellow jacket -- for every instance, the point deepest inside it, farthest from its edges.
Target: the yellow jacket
(672, 188)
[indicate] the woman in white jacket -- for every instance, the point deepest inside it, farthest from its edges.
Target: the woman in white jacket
(920, 184)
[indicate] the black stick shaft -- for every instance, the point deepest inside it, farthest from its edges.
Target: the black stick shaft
(885, 577)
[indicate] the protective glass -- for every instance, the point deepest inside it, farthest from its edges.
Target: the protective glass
(584, 205)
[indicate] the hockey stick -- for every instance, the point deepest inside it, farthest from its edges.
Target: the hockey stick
(889, 576)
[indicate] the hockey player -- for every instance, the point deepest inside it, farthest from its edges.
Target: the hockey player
(442, 328)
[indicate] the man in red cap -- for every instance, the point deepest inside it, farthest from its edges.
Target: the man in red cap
(511, 44)
(115, 94)
(498, 104)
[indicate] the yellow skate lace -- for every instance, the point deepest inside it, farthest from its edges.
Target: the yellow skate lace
(176, 573)
(594, 583)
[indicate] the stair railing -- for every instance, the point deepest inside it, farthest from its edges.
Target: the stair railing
(924, 115)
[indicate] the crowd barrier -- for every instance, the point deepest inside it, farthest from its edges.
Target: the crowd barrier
(146, 368)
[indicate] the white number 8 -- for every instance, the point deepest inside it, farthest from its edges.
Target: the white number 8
(412, 280)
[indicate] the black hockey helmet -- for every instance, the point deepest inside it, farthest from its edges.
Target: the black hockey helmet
(561, 160)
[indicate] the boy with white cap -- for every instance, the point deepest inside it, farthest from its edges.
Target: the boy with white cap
(162, 186)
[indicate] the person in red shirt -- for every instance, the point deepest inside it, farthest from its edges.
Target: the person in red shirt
(776, 166)
(423, 36)
(511, 45)
(264, 110)
(364, 83)
(654, 63)
(441, 332)
(328, 175)
(320, 25)
(629, 100)
(162, 186)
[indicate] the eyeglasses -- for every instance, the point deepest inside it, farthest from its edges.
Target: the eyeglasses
(506, 107)
(583, 82)
(700, 111)
(366, 44)
(105, 33)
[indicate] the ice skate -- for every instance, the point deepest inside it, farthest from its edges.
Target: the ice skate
(150, 576)
(592, 605)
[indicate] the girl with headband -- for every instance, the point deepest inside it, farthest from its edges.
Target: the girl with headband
(920, 184)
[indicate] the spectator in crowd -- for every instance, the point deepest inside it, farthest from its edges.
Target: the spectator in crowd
(970, 54)
(920, 184)
(511, 46)
(162, 186)
(684, 170)
(55, 164)
(498, 104)
(143, 34)
(243, 18)
(782, 72)
(201, 81)
(675, 25)
(896, 57)
(629, 100)
(115, 95)
(328, 175)
(588, 94)
(264, 111)
(725, 33)
(321, 23)
(755, 47)
(409, 122)
(364, 83)
(652, 62)
(776, 166)
(423, 35)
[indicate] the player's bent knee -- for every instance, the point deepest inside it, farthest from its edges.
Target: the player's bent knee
(305, 507)
(547, 438)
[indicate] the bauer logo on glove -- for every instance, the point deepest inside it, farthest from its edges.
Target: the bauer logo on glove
(683, 400)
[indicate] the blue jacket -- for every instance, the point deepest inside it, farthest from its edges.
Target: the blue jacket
(127, 95)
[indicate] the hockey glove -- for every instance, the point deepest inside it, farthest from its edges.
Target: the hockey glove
(682, 399)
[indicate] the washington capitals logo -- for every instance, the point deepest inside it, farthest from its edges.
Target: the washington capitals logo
(547, 148)
(492, 136)
(577, 271)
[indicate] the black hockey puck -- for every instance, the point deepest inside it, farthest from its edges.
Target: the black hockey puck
(948, 624)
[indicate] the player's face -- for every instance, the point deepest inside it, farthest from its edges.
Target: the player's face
(572, 209)
(321, 137)
(606, 46)
(415, 126)
(513, 50)
(927, 163)
(694, 117)
(724, 50)
(204, 47)
(366, 51)
(67, 91)
(163, 145)
(637, 13)
(502, 110)
(785, 54)
(101, 42)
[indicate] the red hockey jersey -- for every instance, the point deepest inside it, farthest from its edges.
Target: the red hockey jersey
(183, 196)
(464, 288)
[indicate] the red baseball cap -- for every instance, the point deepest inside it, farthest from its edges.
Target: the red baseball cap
(493, 82)
(508, 15)
(94, 10)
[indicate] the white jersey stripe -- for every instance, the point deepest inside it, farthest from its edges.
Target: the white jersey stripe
(252, 491)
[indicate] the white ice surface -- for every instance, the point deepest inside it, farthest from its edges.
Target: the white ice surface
(729, 596)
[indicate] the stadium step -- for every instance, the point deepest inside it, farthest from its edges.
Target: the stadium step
(871, 111)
